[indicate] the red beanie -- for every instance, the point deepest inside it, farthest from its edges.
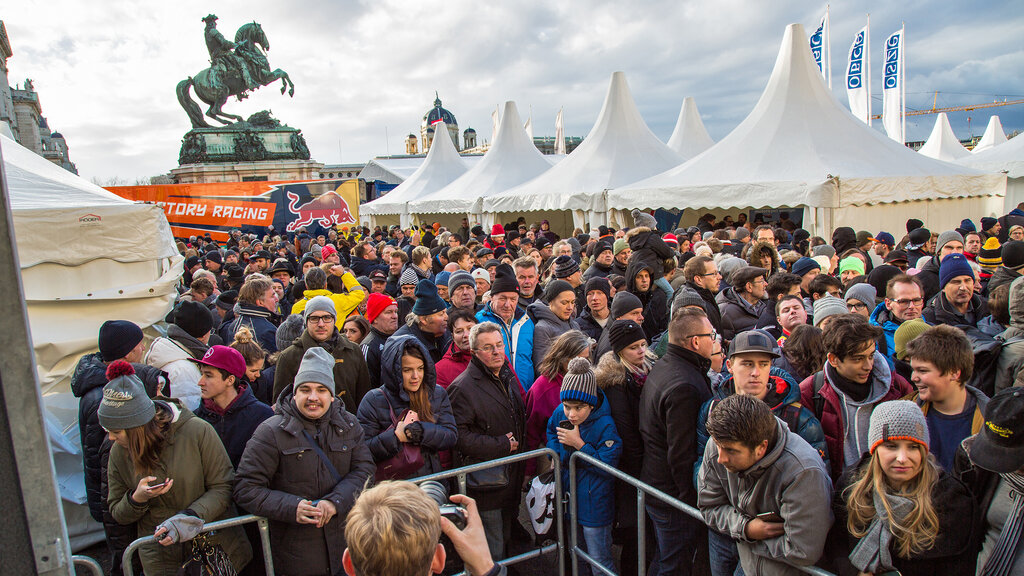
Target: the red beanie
(328, 250)
(671, 239)
(497, 230)
(376, 304)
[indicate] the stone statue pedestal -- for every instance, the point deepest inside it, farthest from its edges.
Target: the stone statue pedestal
(260, 148)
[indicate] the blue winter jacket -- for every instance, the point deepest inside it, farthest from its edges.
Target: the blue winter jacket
(882, 318)
(518, 342)
(783, 395)
(257, 319)
(375, 417)
(595, 490)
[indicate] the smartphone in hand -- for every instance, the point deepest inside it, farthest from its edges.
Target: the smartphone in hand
(565, 425)
(770, 517)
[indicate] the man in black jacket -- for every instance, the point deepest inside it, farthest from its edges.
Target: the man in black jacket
(702, 275)
(490, 412)
(670, 403)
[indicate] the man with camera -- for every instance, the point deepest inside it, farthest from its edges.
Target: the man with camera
(394, 529)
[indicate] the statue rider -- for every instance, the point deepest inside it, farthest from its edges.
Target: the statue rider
(222, 55)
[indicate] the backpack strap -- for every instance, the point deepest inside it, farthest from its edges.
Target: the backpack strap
(819, 400)
(319, 452)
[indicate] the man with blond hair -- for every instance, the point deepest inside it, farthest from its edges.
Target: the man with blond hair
(393, 530)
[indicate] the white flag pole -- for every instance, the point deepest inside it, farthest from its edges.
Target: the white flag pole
(867, 55)
(903, 78)
(828, 43)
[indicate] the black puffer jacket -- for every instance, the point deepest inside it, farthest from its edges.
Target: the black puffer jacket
(654, 300)
(648, 247)
(87, 384)
(391, 398)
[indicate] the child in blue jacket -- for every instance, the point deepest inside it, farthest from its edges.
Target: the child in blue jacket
(583, 421)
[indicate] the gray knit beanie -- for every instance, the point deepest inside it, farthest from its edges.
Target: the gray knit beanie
(125, 403)
(823, 250)
(408, 276)
(686, 297)
(862, 292)
(460, 278)
(319, 304)
(945, 238)
(317, 366)
(579, 383)
(897, 420)
(828, 306)
(289, 330)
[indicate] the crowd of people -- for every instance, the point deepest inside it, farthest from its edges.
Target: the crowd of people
(854, 403)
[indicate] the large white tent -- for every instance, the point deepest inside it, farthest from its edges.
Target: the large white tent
(799, 148)
(993, 136)
(690, 137)
(511, 160)
(86, 256)
(619, 149)
(943, 144)
(1007, 157)
(440, 168)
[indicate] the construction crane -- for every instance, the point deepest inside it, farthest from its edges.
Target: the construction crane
(967, 108)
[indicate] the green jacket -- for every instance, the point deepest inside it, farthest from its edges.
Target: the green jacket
(351, 376)
(195, 459)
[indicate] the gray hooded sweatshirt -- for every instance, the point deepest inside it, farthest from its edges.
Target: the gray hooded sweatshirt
(790, 480)
(857, 415)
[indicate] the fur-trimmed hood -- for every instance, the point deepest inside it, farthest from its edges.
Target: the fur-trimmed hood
(754, 254)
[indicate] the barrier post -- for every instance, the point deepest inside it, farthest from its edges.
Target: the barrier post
(88, 563)
(264, 529)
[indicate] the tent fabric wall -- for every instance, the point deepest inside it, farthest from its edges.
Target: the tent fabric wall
(86, 256)
(1007, 157)
(942, 143)
(690, 137)
(993, 136)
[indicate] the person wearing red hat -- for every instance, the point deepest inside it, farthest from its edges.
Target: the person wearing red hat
(330, 254)
(382, 313)
(497, 237)
(671, 240)
(228, 403)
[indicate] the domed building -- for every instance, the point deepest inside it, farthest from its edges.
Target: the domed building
(433, 116)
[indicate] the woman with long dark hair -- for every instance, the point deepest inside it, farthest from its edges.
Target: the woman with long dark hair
(898, 510)
(803, 354)
(168, 473)
(409, 409)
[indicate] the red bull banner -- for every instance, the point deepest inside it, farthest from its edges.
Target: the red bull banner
(216, 208)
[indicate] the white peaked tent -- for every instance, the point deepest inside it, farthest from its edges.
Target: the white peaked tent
(943, 144)
(1007, 157)
(619, 149)
(440, 168)
(86, 256)
(799, 148)
(511, 160)
(993, 136)
(689, 138)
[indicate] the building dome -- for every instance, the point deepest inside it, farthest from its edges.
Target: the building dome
(439, 114)
(469, 131)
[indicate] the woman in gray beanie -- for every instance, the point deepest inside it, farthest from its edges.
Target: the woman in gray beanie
(168, 473)
(898, 510)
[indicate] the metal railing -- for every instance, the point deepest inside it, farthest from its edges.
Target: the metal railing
(460, 475)
(263, 524)
(88, 563)
(642, 491)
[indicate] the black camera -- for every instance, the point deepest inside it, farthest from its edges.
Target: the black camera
(438, 493)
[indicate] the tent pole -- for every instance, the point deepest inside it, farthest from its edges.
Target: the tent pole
(35, 538)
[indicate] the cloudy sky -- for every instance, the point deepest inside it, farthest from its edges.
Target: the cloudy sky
(366, 72)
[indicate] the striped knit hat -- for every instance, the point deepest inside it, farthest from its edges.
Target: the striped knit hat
(897, 420)
(991, 256)
(579, 383)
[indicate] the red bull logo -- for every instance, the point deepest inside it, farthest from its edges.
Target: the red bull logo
(329, 208)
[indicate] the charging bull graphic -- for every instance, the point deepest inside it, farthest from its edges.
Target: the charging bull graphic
(329, 208)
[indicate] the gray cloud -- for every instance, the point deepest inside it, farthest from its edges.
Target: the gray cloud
(362, 69)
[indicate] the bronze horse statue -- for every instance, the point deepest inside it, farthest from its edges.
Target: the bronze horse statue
(215, 84)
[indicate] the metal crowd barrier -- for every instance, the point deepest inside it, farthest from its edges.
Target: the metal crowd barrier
(88, 563)
(460, 475)
(642, 491)
(264, 527)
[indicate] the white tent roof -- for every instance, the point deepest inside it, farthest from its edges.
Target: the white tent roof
(689, 138)
(1008, 157)
(993, 136)
(511, 160)
(620, 148)
(441, 166)
(789, 148)
(943, 144)
(391, 170)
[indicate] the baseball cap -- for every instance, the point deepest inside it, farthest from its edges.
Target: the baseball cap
(752, 341)
(884, 238)
(999, 446)
(225, 358)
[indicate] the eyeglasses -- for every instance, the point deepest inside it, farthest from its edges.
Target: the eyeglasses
(492, 349)
(715, 273)
(909, 301)
(719, 353)
(713, 335)
(853, 307)
(319, 319)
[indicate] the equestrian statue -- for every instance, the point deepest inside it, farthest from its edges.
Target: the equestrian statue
(236, 68)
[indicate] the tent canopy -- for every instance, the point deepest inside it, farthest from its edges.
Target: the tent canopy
(689, 138)
(619, 149)
(993, 136)
(800, 147)
(1007, 157)
(943, 144)
(511, 160)
(441, 166)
